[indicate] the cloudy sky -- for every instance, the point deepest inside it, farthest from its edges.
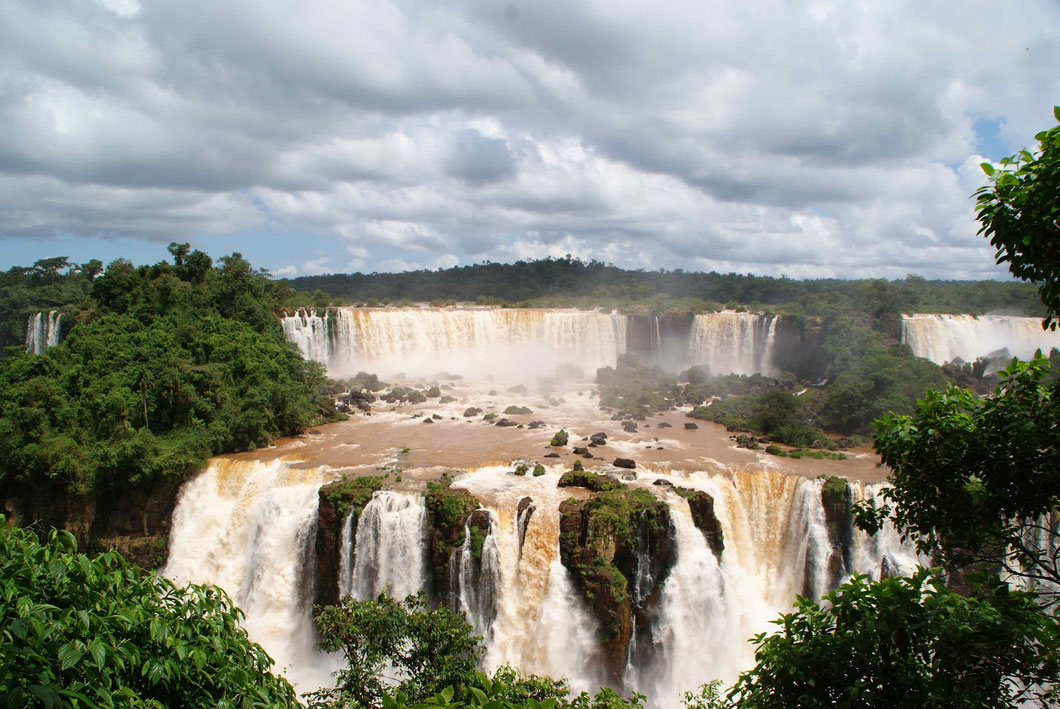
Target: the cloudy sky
(800, 138)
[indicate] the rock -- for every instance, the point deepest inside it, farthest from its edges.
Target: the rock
(628, 463)
(691, 426)
(746, 441)
(552, 455)
(472, 411)
(701, 505)
(505, 423)
(663, 424)
(523, 513)
(560, 439)
(599, 542)
(589, 480)
(448, 510)
(428, 420)
(629, 427)
(335, 501)
(517, 411)
(599, 439)
(663, 482)
(536, 424)
(582, 451)
(436, 417)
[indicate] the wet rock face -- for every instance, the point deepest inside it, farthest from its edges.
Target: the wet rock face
(619, 547)
(838, 503)
(701, 506)
(448, 511)
(335, 501)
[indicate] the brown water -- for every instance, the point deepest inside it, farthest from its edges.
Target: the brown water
(369, 444)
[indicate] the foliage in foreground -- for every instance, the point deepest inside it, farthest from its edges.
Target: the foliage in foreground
(433, 655)
(905, 642)
(96, 632)
(977, 480)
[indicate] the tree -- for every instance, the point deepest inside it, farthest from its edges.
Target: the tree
(904, 642)
(1020, 214)
(179, 252)
(430, 649)
(77, 631)
(977, 481)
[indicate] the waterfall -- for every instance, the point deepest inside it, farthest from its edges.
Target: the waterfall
(249, 528)
(542, 625)
(468, 341)
(475, 581)
(42, 331)
(736, 343)
(309, 332)
(943, 338)
(391, 549)
(346, 556)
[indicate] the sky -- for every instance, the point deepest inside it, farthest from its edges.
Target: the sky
(806, 139)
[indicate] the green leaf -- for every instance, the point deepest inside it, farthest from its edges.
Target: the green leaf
(69, 655)
(1056, 112)
(97, 652)
(987, 168)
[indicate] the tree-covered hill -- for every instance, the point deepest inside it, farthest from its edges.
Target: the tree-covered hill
(163, 366)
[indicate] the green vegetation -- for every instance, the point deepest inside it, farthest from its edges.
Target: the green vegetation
(560, 439)
(597, 482)
(517, 410)
(539, 470)
(1020, 214)
(521, 469)
(350, 494)
(572, 282)
(434, 654)
(77, 631)
(165, 366)
(903, 642)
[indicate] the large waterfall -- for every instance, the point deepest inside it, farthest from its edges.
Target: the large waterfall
(736, 343)
(43, 331)
(507, 342)
(248, 527)
(942, 338)
(514, 342)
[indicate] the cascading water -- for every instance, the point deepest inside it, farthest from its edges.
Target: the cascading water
(943, 338)
(736, 343)
(390, 552)
(541, 624)
(249, 528)
(43, 331)
(476, 578)
(478, 341)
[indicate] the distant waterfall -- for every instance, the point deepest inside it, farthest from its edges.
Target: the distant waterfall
(734, 343)
(467, 341)
(475, 580)
(943, 338)
(391, 549)
(249, 528)
(43, 331)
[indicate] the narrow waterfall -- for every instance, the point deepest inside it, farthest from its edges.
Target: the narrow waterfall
(390, 553)
(541, 624)
(736, 343)
(43, 331)
(249, 527)
(943, 338)
(476, 579)
(467, 341)
(346, 556)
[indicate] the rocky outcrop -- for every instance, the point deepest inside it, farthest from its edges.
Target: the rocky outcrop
(619, 547)
(448, 512)
(701, 505)
(838, 503)
(336, 501)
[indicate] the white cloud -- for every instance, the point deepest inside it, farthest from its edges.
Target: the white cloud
(808, 138)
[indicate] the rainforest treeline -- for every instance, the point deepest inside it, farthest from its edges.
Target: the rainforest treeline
(571, 281)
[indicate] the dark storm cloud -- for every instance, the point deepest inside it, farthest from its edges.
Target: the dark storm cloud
(808, 138)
